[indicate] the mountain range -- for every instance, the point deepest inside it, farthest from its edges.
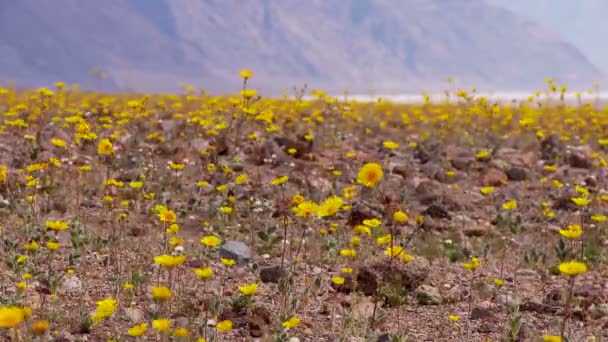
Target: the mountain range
(361, 45)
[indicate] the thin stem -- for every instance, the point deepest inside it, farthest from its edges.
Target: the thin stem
(567, 308)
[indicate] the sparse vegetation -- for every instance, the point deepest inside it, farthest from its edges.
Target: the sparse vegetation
(192, 217)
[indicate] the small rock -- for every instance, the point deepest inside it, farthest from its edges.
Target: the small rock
(517, 174)
(428, 295)
(72, 284)
(363, 310)
(294, 339)
(436, 211)
(462, 163)
(507, 300)
(481, 313)
(598, 311)
(272, 274)
(408, 276)
(181, 321)
(550, 147)
(135, 315)
(493, 177)
(428, 192)
(476, 230)
(236, 250)
(399, 169)
(367, 282)
(487, 328)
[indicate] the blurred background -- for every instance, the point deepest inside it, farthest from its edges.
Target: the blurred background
(365, 46)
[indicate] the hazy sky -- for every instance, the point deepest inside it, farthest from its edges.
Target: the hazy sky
(582, 22)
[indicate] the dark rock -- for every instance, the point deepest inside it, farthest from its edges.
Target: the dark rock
(397, 274)
(579, 160)
(436, 211)
(236, 250)
(272, 274)
(487, 328)
(517, 174)
(493, 177)
(428, 192)
(367, 282)
(550, 147)
(462, 163)
(428, 295)
(481, 313)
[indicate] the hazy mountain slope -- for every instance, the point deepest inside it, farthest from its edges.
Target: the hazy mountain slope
(384, 45)
(581, 22)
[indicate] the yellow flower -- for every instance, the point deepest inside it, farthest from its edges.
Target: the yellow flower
(56, 225)
(486, 190)
(226, 210)
(454, 318)
(391, 145)
(599, 218)
(384, 239)
(348, 252)
(551, 338)
(482, 155)
(573, 231)
(355, 240)
(32, 246)
(306, 208)
(176, 166)
(346, 270)
(580, 201)
(330, 206)
(161, 293)
(224, 326)
(581, 190)
(248, 93)
(227, 262)
(167, 216)
(249, 290)
(21, 286)
(241, 179)
(279, 180)
(180, 332)
(204, 273)
(394, 251)
(161, 324)
(40, 327)
(245, 74)
(105, 309)
(337, 280)
(127, 286)
(138, 329)
(550, 168)
(510, 205)
(362, 230)
(370, 174)
(169, 261)
(350, 191)
(21, 259)
(58, 142)
(372, 223)
(3, 174)
(173, 229)
(136, 185)
(10, 316)
(572, 268)
(292, 322)
(498, 282)
(471, 266)
(400, 217)
(105, 147)
(85, 168)
(211, 241)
